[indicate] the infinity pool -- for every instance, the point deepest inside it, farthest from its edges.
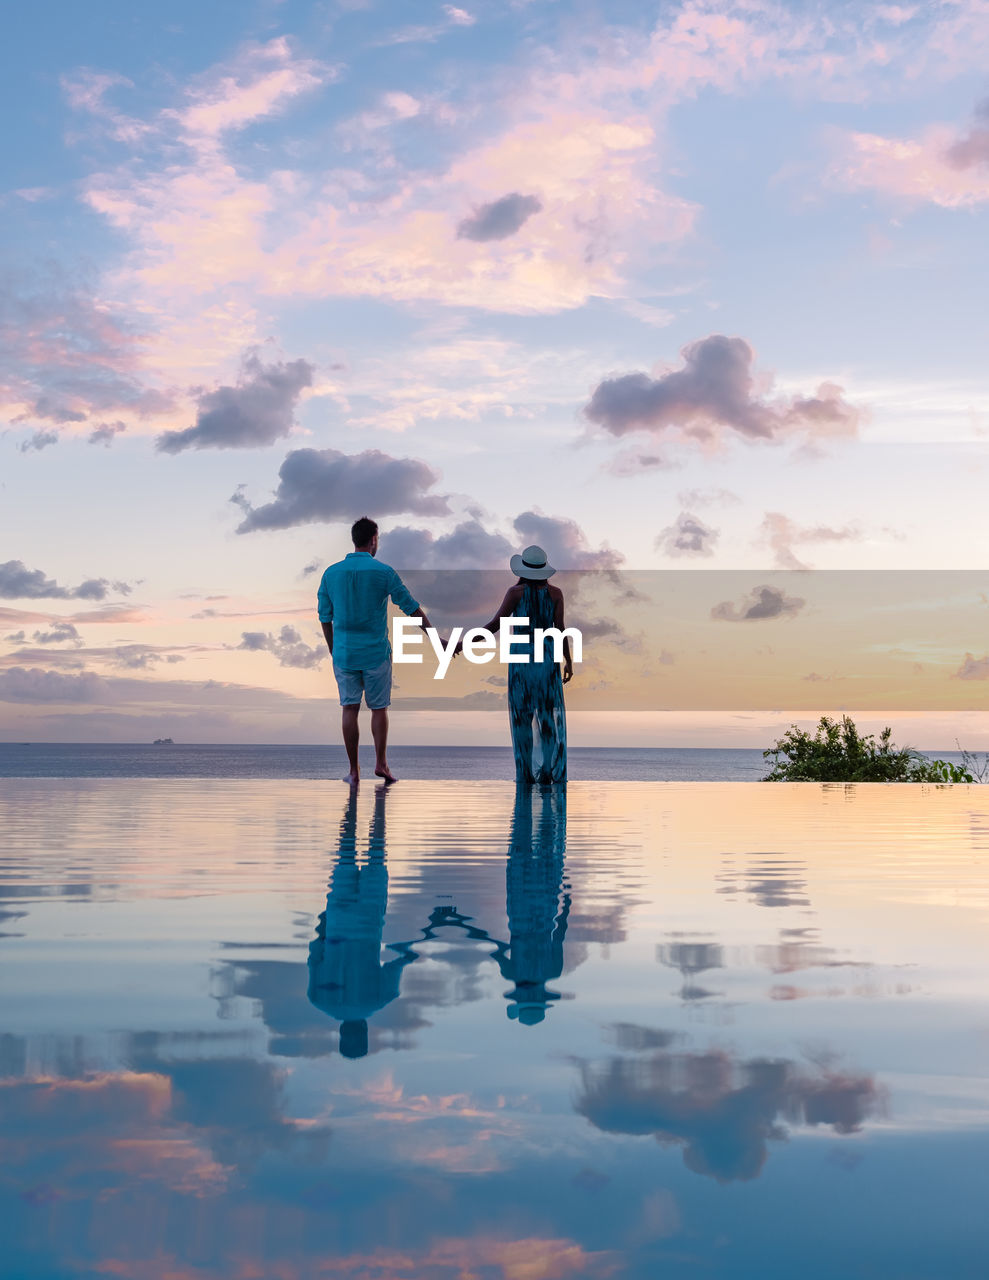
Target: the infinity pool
(275, 1030)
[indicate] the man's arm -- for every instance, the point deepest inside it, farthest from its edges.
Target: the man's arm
(418, 613)
(324, 608)
(403, 599)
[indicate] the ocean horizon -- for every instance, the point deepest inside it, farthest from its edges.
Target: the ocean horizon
(429, 763)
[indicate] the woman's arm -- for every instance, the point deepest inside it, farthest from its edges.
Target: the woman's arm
(506, 609)
(558, 623)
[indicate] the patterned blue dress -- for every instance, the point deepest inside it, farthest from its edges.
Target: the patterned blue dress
(538, 902)
(535, 697)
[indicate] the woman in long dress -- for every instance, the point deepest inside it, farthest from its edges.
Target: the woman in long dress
(535, 688)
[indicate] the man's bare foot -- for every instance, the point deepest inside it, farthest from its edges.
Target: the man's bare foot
(382, 771)
(353, 778)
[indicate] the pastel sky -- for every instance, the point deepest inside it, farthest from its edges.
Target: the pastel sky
(662, 287)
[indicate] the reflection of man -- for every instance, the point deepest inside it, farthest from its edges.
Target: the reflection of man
(347, 979)
(353, 609)
(537, 920)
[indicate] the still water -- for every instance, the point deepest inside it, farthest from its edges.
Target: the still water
(274, 1030)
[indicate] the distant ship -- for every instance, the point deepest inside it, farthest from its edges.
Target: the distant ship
(163, 742)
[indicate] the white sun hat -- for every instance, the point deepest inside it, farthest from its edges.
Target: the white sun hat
(532, 563)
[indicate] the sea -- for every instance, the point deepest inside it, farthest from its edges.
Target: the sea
(479, 764)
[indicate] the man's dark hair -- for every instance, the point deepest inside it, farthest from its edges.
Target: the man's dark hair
(363, 531)
(353, 1038)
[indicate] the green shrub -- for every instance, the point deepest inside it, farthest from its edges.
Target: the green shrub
(974, 763)
(940, 771)
(837, 752)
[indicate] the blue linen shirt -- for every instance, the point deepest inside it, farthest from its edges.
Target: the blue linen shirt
(353, 595)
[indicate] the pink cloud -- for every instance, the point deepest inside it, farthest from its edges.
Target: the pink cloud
(461, 378)
(116, 1125)
(195, 230)
(780, 534)
(204, 228)
(67, 354)
(584, 133)
(202, 219)
(87, 91)
(73, 356)
(196, 227)
(260, 82)
(427, 34)
(597, 204)
(446, 1258)
(915, 170)
(731, 46)
(212, 247)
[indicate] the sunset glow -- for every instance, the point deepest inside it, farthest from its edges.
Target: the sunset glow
(662, 288)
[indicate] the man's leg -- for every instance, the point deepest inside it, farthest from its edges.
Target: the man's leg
(351, 688)
(351, 737)
(379, 732)
(377, 687)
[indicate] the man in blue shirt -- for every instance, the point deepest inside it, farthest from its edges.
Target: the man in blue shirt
(353, 608)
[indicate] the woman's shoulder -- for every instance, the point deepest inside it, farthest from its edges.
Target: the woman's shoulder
(555, 592)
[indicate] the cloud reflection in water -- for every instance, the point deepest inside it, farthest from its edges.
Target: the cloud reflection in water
(721, 1110)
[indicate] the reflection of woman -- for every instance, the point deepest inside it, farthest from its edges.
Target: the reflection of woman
(535, 688)
(537, 906)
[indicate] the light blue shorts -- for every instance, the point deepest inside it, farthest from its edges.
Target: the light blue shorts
(375, 684)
